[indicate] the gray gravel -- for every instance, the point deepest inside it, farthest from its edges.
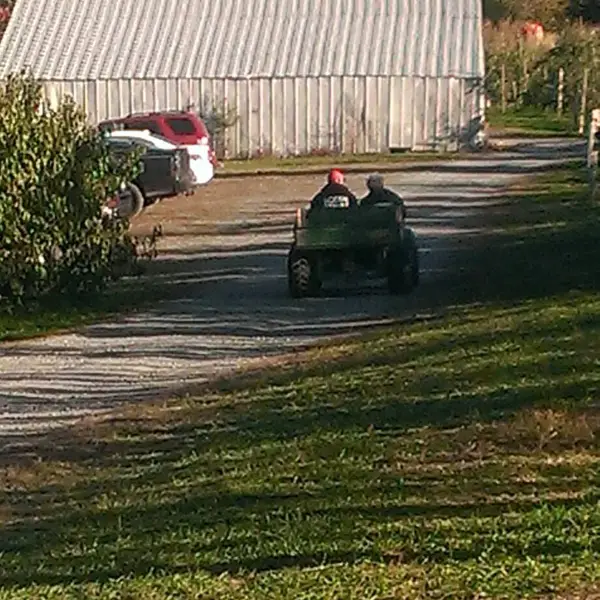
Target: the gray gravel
(233, 306)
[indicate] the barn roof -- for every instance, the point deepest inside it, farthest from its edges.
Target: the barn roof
(106, 39)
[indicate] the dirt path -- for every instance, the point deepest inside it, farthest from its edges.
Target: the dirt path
(225, 249)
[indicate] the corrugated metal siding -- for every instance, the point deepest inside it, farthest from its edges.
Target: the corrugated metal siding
(147, 39)
(288, 116)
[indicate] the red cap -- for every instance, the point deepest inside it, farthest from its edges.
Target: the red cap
(336, 176)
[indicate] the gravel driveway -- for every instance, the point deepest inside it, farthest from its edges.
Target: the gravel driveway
(224, 250)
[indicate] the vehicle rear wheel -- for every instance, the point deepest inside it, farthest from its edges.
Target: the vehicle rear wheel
(401, 274)
(302, 277)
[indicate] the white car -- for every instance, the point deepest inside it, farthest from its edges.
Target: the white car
(200, 164)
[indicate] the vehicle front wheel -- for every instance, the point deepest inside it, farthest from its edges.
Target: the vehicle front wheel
(137, 199)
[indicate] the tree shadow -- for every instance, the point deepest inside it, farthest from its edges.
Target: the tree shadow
(334, 522)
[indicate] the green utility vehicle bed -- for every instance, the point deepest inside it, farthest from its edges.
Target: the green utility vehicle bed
(352, 241)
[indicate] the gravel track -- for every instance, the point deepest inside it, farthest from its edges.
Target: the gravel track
(224, 249)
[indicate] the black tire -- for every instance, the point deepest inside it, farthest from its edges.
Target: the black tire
(302, 277)
(400, 273)
(137, 200)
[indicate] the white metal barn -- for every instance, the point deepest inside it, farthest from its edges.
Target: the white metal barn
(303, 75)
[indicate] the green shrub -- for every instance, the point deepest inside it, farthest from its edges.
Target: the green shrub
(55, 175)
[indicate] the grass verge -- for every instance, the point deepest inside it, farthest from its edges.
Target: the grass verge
(456, 458)
(123, 297)
(273, 163)
(530, 122)
(27, 324)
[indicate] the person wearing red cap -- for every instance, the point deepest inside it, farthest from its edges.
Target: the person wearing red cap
(334, 194)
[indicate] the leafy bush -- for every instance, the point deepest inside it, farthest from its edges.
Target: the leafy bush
(55, 175)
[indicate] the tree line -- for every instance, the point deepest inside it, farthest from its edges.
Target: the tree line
(558, 73)
(551, 13)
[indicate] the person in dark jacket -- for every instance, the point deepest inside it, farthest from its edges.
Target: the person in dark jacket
(378, 193)
(335, 194)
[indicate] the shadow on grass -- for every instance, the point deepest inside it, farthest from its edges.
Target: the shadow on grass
(198, 526)
(64, 313)
(221, 515)
(545, 245)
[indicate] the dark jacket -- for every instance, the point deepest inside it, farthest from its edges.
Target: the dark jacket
(384, 195)
(330, 190)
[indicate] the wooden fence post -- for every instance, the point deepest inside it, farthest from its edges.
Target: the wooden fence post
(584, 93)
(561, 92)
(503, 85)
(592, 151)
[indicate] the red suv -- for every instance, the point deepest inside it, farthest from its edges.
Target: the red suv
(180, 127)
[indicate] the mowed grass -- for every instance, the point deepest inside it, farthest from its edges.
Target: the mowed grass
(66, 314)
(456, 457)
(26, 324)
(269, 163)
(532, 122)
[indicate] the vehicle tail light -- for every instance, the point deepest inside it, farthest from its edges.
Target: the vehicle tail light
(113, 202)
(212, 157)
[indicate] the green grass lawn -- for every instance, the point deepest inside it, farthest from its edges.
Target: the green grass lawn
(456, 457)
(64, 315)
(31, 323)
(531, 122)
(303, 162)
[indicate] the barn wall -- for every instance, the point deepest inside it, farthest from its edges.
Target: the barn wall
(290, 116)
